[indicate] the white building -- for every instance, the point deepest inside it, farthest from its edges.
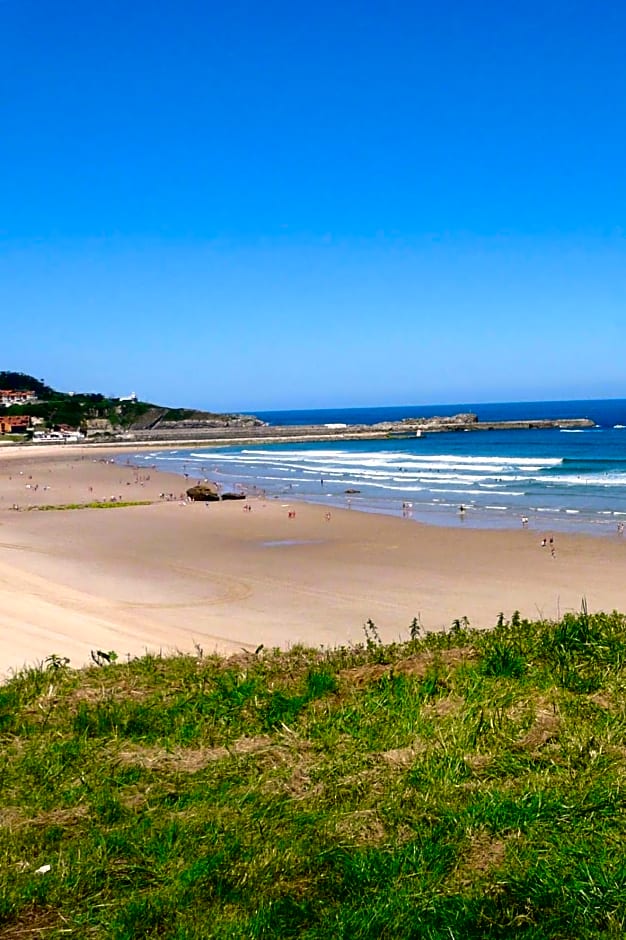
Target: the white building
(10, 397)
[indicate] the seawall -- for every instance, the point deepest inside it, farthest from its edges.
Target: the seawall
(295, 433)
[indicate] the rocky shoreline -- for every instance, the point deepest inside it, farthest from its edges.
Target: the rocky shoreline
(189, 433)
(409, 427)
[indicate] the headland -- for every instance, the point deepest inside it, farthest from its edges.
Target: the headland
(35, 413)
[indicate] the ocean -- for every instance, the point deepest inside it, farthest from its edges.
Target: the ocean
(556, 479)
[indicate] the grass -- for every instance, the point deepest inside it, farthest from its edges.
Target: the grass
(94, 504)
(461, 785)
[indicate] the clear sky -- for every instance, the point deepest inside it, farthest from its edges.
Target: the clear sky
(245, 205)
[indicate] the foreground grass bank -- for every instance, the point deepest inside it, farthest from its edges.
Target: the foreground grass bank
(94, 504)
(466, 785)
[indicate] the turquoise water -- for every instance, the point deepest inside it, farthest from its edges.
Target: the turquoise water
(558, 480)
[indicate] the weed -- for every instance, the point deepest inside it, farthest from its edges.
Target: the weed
(503, 659)
(415, 629)
(95, 504)
(372, 636)
(53, 662)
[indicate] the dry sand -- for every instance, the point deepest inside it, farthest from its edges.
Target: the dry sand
(171, 576)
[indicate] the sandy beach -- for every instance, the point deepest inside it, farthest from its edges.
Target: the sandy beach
(176, 576)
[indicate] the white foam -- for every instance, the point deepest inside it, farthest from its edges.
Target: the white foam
(390, 459)
(460, 492)
(399, 489)
(180, 460)
(589, 479)
(510, 493)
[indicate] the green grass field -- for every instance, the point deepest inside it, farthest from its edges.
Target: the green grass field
(465, 785)
(94, 504)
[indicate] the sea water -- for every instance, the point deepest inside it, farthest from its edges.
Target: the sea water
(556, 479)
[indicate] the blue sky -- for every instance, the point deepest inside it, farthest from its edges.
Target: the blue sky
(253, 206)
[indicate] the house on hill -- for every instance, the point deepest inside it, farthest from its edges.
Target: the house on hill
(10, 397)
(14, 424)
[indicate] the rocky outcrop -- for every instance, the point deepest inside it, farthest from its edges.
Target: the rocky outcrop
(147, 420)
(437, 422)
(204, 492)
(200, 422)
(96, 426)
(184, 421)
(465, 418)
(209, 493)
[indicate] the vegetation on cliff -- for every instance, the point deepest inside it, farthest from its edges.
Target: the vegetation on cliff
(78, 409)
(463, 785)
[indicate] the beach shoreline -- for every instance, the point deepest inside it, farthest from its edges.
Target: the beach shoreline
(497, 487)
(173, 575)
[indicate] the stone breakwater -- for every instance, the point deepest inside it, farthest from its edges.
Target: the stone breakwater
(409, 427)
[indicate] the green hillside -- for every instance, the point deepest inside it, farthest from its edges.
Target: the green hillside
(21, 382)
(466, 785)
(77, 408)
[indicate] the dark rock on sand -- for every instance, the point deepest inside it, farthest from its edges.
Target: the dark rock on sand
(206, 492)
(209, 493)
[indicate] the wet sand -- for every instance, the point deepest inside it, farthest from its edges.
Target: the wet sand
(176, 576)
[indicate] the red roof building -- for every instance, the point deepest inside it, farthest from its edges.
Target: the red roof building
(14, 424)
(9, 396)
